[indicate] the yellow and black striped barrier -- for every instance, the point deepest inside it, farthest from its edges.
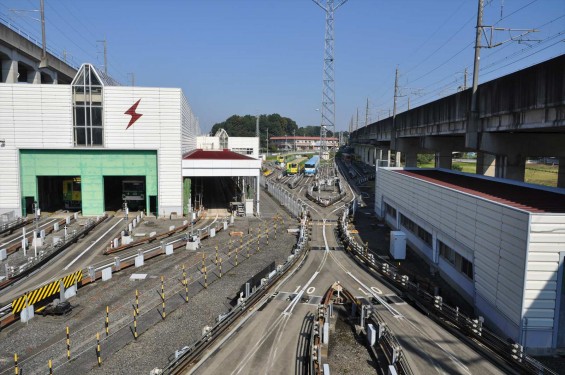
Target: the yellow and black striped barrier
(44, 292)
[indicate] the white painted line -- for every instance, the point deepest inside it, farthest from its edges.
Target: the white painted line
(92, 245)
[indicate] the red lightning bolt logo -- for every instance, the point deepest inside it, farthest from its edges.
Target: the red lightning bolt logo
(134, 115)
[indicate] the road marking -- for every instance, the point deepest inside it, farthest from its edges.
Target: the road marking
(311, 290)
(92, 245)
(376, 290)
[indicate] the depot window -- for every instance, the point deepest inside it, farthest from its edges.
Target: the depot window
(87, 108)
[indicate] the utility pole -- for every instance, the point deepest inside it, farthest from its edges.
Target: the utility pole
(43, 38)
(132, 75)
(472, 133)
(328, 92)
(257, 126)
(393, 137)
(105, 55)
(472, 136)
(465, 79)
(357, 120)
(367, 113)
(294, 138)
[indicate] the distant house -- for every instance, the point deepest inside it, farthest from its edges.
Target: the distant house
(300, 143)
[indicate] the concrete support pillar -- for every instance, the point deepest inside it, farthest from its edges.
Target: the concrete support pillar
(9, 71)
(379, 154)
(561, 173)
(410, 159)
(443, 159)
(374, 156)
(486, 164)
(33, 76)
(397, 159)
(515, 168)
(388, 159)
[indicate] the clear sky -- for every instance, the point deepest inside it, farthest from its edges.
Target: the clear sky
(266, 56)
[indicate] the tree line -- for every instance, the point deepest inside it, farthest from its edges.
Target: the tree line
(277, 125)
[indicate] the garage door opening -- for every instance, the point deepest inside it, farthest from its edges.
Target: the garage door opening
(59, 193)
(213, 192)
(120, 189)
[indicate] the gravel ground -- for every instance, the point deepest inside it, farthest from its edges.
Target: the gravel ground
(43, 337)
(347, 353)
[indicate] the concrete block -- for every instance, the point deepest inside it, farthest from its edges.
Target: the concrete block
(68, 220)
(212, 232)
(56, 240)
(231, 219)
(225, 225)
(70, 292)
(116, 242)
(152, 234)
(168, 249)
(106, 273)
(75, 216)
(134, 223)
(3, 254)
(172, 227)
(130, 227)
(27, 314)
(184, 222)
(193, 245)
(126, 240)
(139, 261)
(56, 227)
(371, 334)
(38, 241)
(42, 234)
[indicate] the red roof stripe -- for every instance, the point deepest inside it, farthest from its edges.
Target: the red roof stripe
(523, 197)
(290, 137)
(200, 154)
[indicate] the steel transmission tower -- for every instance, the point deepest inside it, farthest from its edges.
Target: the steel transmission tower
(328, 92)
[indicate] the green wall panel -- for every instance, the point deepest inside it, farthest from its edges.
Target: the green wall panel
(91, 166)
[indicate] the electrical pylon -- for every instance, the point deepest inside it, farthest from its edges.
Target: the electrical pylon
(328, 92)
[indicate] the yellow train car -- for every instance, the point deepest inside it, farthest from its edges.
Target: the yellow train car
(72, 196)
(293, 168)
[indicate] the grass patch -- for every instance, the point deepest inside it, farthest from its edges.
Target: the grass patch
(539, 174)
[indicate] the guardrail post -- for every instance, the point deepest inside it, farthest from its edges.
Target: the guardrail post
(16, 368)
(220, 268)
(216, 256)
(107, 322)
(236, 251)
(50, 365)
(134, 325)
(137, 301)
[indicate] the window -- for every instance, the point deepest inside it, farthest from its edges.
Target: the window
(460, 263)
(425, 236)
(87, 108)
(243, 151)
(408, 224)
(391, 211)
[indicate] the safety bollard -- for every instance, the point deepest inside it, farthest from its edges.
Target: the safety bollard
(229, 249)
(185, 281)
(136, 301)
(134, 324)
(216, 256)
(16, 368)
(50, 364)
(203, 260)
(236, 251)
(98, 349)
(247, 250)
(220, 268)
(267, 238)
(68, 344)
(205, 277)
(107, 321)
(163, 296)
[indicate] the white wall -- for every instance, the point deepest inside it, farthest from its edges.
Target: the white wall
(546, 241)
(495, 234)
(31, 116)
(245, 142)
(159, 128)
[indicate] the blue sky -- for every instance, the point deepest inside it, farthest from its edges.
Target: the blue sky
(266, 56)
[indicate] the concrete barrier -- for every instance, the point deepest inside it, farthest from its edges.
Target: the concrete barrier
(106, 273)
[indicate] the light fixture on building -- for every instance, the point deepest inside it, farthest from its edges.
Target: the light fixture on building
(2, 143)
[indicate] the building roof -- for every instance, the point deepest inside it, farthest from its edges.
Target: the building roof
(301, 138)
(527, 198)
(199, 154)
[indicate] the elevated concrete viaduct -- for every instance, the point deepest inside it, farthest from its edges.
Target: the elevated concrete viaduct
(521, 115)
(21, 61)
